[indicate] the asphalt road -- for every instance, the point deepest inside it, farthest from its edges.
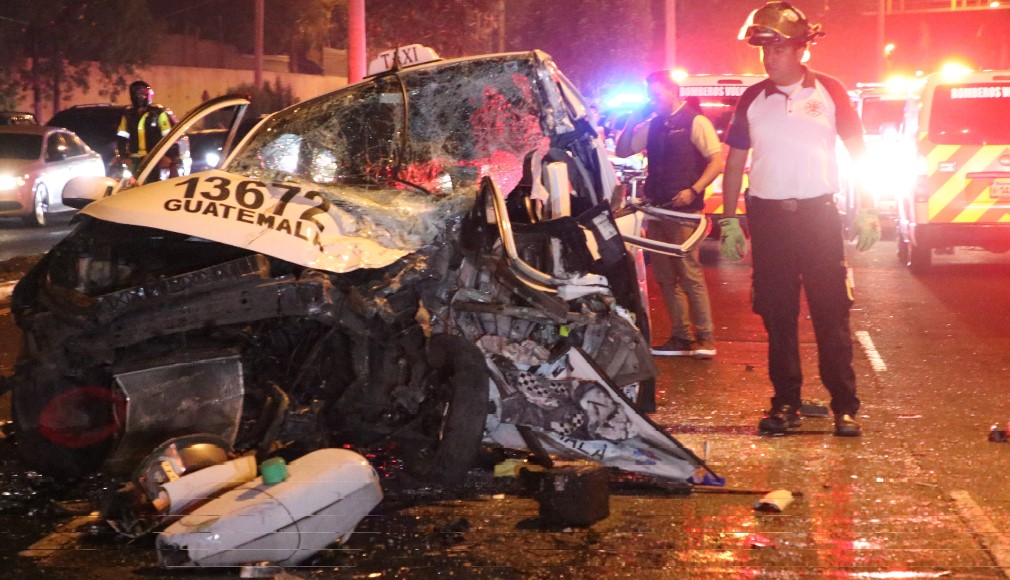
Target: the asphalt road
(18, 239)
(922, 494)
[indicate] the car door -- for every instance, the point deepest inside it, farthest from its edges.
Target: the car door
(80, 160)
(231, 107)
(635, 211)
(56, 172)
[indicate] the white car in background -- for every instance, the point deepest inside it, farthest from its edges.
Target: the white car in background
(35, 164)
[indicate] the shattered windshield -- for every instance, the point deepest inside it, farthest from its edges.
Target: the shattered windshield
(400, 154)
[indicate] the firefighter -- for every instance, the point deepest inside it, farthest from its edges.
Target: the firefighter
(144, 124)
(789, 122)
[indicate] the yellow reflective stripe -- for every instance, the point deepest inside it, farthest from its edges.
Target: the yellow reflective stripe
(716, 185)
(940, 198)
(164, 123)
(141, 136)
(955, 183)
(971, 214)
(709, 207)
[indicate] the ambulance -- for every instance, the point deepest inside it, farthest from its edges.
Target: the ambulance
(716, 96)
(959, 122)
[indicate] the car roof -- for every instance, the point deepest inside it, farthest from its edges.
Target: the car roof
(878, 90)
(88, 106)
(97, 110)
(31, 129)
(536, 55)
(702, 79)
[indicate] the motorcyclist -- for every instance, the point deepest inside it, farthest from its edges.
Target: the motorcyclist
(142, 125)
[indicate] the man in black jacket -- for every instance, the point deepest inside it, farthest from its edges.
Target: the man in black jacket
(684, 157)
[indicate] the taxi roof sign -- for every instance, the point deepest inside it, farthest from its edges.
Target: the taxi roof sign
(400, 57)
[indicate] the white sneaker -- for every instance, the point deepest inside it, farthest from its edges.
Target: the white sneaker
(704, 349)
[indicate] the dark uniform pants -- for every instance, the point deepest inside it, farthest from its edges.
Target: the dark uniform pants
(798, 243)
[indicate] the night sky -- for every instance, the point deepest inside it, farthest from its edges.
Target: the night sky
(851, 50)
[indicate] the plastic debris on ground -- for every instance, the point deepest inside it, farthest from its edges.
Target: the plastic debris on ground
(774, 501)
(997, 435)
(323, 497)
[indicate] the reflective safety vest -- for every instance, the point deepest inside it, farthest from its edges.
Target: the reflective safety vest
(143, 130)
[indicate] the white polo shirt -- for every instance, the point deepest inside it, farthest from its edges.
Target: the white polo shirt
(793, 133)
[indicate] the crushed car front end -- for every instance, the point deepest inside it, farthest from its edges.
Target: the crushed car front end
(378, 265)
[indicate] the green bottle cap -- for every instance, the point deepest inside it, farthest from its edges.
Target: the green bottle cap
(274, 470)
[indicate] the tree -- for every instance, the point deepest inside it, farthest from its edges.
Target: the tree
(310, 30)
(594, 46)
(265, 99)
(461, 27)
(49, 47)
(299, 28)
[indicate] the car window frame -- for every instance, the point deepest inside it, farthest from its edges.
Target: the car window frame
(75, 147)
(152, 161)
(52, 148)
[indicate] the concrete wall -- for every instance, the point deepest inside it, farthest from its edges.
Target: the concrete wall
(182, 88)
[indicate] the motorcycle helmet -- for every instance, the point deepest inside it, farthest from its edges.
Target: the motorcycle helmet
(778, 22)
(141, 94)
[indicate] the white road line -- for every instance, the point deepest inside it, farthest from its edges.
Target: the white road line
(992, 539)
(876, 361)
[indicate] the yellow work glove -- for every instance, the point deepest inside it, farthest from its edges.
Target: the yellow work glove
(733, 243)
(867, 229)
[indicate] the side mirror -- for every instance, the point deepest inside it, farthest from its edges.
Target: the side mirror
(80, 191)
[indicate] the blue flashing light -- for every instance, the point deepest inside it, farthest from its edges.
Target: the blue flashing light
(625, 98)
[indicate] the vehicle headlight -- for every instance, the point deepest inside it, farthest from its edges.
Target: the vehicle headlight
(8, 182)
(212, 158)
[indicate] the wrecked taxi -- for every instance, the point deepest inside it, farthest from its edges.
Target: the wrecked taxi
(429, 259)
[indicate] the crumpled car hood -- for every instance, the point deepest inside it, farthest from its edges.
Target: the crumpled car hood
(368, 174)
(290, 221)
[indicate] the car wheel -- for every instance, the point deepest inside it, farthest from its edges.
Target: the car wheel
(40, 206)
(64, 427)
(920, 258)
(451, 421)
